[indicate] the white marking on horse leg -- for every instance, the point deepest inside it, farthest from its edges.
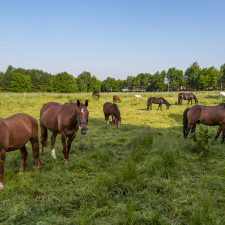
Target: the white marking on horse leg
(53, 154)
(107, 122)
(1, 185)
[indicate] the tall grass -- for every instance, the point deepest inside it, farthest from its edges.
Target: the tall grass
(141, 173)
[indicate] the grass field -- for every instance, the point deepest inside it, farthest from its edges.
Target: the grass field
(141, 173)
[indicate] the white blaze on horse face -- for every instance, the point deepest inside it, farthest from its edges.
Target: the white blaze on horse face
(1, 185)
(82, 110)
(53, 154)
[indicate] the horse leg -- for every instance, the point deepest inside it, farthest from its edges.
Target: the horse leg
(44, 135)
(65, 150)
(191, 101)
(151, 106)
(113, 120)
(35, 150)
(69, 142)
(24, 158)
(53, 138)
(189, 127)
(223, 133)
(218, 133)
(193, 131)
(2, 162)
(107, 119)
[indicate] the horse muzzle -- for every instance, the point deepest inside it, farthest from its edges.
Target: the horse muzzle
(84, 131)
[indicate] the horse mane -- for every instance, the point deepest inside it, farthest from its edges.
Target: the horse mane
(164, 101)
(194, 97)
(222, 105)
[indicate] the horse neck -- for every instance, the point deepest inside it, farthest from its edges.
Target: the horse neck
(118, 113)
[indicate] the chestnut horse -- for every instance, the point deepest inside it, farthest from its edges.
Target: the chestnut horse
(65, 120)
(207, 115)
(187, 96)
(116, 98)
(96, 93)
(112, 109)
(15, 132)
(159, 101)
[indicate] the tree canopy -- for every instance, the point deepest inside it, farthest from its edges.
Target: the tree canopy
(34, 80)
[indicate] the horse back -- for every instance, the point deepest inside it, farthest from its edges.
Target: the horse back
(208, 115)
(17, 130)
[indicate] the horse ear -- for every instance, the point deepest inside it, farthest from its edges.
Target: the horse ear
(78, 103)
(86, 103)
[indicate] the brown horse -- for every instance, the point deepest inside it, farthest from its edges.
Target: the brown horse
(116, 98)
(15, 132)
(96, 93)
(159, 101)
(207, 115)
(65, 120)
(112, 109)
(187, 96)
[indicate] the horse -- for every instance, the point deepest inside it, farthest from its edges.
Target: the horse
(221, 94)
(159, 101)
(116, 98)
(15, 132)
(96, 93)
(137, 96)
(187, 96)
(64, 120)
(207, 115)
(112, 109)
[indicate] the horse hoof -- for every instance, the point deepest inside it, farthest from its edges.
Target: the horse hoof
(1, 185)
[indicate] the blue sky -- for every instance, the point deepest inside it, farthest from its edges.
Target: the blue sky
(111, 38)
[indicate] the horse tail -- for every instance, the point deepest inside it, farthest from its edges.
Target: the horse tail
(44, 131)
(185, 121)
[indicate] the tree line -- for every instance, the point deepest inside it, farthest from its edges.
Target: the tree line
(34, 80)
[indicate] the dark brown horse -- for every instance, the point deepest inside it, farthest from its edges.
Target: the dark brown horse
(159, 101)
(15, 132)
(207, 115)
(112, 109)
(96, 93)
(187, 96)
(116, 98)
(65, 120)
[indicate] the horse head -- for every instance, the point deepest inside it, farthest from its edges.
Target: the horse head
(82, 116)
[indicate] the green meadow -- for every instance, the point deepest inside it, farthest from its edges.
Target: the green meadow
(141, 173)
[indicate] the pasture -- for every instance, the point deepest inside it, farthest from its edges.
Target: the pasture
(141, 173)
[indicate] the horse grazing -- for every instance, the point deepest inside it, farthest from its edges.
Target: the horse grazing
(207, 115)
(221, 94)
(96, 93)
(112, 109)
(187, 96)
(65, 120)
(137, 96)
(15, 132)
(116, 98)
(159, 101)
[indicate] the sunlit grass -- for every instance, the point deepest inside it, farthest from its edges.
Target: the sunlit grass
(142, 173)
